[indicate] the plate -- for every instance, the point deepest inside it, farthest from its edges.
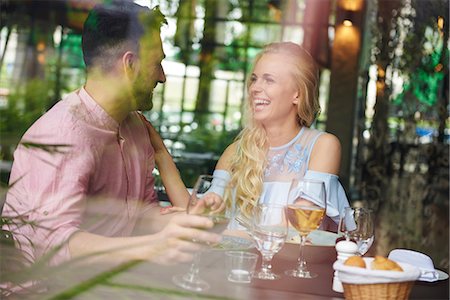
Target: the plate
(234, 243)
(442, 275)
(316, 238)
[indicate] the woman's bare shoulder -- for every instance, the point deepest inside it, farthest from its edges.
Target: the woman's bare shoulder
(326, 154)
(329, 141)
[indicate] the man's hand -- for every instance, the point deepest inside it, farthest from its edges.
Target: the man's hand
(175, 244)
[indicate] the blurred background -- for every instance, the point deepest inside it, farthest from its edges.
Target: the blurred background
(383, 91)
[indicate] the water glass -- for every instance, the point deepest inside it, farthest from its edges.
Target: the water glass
(357, 224)
(241, 266)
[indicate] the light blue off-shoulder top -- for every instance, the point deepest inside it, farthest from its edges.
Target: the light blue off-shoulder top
(290, 161)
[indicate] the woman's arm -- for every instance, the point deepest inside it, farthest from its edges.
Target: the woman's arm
(175, 188)
(224, 162)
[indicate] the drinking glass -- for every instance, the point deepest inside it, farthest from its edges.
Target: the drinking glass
(269, 230)
(357, 224)
(191, 280)
(305, 214)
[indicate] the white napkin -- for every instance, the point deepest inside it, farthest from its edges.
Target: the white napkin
(355, 275)
(418, 259)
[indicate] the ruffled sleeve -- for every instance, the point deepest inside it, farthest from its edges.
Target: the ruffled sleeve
(336, 198)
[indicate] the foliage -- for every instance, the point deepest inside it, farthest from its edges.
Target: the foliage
(424, 82)
(73, 54)
(202, 148)
(203, 140)
(25, 105)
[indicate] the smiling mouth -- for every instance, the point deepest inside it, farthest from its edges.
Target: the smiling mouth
(260, 103)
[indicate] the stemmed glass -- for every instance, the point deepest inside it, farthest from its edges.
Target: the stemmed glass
(191, 280)
(305, 214)
(269, 230)
(357, 224)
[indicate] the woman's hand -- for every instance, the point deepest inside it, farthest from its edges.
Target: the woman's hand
(210, 203)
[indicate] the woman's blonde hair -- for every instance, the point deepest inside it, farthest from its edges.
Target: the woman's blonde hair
(249, 161)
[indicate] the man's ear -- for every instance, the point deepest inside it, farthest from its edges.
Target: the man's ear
(128, 62)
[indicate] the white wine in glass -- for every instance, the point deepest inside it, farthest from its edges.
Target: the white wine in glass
(305, 214)
(305, 218)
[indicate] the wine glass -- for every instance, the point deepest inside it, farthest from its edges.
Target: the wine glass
(198, 205)
(305, 214)
(357, 224)
(269, 231)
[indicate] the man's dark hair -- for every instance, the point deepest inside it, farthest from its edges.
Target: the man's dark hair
(109, 26)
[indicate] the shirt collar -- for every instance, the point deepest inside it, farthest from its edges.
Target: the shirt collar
(96, 110)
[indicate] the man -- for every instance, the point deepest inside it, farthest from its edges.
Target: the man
(94, 193)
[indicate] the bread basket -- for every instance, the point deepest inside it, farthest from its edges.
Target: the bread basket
(365, 284)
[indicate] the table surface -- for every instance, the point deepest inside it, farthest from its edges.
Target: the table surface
(146, 280)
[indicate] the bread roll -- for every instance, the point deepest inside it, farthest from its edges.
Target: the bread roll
(355, 261)
(383, 263)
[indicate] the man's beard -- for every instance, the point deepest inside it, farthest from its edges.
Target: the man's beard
(142, 96)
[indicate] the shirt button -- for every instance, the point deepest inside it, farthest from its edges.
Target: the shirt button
(45, 212)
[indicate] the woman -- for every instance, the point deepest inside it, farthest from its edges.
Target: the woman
(277, 143)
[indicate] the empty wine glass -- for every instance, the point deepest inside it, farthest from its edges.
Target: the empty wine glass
(269, 230)
(357, 224)
(204, 184)
(305, 214)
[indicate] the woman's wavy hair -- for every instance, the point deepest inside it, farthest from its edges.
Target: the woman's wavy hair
(249, 161)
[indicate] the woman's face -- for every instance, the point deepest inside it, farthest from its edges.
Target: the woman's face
(272, 92)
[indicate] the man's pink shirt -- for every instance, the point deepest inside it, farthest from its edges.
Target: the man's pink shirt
(99, 179)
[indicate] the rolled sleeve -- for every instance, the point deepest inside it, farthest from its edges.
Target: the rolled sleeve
(56, 221)
(49, 193)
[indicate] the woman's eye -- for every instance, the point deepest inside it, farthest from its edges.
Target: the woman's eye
(270, 80)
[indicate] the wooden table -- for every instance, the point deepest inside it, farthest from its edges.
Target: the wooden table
(150, 281)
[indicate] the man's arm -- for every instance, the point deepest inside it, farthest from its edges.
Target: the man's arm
(171, 245)
(175, 188)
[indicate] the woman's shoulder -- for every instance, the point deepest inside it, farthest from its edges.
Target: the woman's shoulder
(328, 140)
(318, 139)
(326, 154)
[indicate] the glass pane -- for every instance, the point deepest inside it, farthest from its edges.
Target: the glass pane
(262, 12)
(263, 34)
(190, 93)
(293, 34)
(173, 68)
(235, 93)
(173, 93)
(251, 54)
(218, 95)
(230, 32)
